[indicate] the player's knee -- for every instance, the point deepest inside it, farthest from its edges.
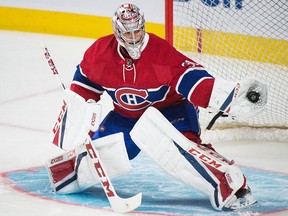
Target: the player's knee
(192, 136)
(133, 152)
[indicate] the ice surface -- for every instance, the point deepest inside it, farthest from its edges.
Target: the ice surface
(30, 100)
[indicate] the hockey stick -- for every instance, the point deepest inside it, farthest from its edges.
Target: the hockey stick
(117, 203)
(53, 67)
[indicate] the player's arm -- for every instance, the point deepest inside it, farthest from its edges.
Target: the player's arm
(80, 113)
(83, 86)
(83, 83)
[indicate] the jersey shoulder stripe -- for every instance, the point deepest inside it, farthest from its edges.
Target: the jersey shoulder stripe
(81, 79)
(190, 79)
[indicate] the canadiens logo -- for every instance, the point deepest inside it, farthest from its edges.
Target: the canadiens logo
(138, 99)
(132, 99)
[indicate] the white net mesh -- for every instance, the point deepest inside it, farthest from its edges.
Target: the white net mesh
(235, 39)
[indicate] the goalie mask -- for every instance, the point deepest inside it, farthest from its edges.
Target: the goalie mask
(128, 25)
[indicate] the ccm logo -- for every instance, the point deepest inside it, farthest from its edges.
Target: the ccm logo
(60, 117)
(209, 157)
(98, 168)
(204, 158)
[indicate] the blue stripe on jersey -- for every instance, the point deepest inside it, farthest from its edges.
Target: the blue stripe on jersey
(189, 80)
(79, 77)
(153, 94)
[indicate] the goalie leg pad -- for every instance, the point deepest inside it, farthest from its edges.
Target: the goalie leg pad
(193, 164)
(62, 173)
(71, 173)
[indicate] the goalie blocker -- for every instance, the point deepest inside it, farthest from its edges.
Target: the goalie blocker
(195, 165)
(77, 118)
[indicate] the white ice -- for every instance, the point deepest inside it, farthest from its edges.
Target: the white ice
(30, 101)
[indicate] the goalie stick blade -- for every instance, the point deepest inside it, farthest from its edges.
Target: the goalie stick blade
(117, 203)
(122, 205)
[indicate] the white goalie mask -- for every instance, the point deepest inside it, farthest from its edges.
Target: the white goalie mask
(129, 30)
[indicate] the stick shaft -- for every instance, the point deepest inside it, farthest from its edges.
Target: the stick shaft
(53, 67)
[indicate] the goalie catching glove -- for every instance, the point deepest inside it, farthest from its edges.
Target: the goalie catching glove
(240, 100)
(76, 120)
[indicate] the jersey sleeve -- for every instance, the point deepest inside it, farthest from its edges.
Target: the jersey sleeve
(192, 80)
(196, 85)
(81, 83)
(84, 87)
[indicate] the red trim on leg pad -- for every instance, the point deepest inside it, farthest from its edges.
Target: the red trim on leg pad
(60, 171)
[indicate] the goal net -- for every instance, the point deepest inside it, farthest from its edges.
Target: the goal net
(236, 39)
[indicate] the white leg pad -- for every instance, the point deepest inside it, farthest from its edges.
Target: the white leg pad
(71, 173)
(201, 168)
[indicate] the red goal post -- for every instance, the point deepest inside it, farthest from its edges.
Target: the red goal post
(169, 21)
(236, 39)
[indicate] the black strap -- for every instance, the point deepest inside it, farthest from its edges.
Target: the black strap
(213, 120)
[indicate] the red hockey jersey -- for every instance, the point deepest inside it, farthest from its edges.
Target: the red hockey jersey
(161, 77)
